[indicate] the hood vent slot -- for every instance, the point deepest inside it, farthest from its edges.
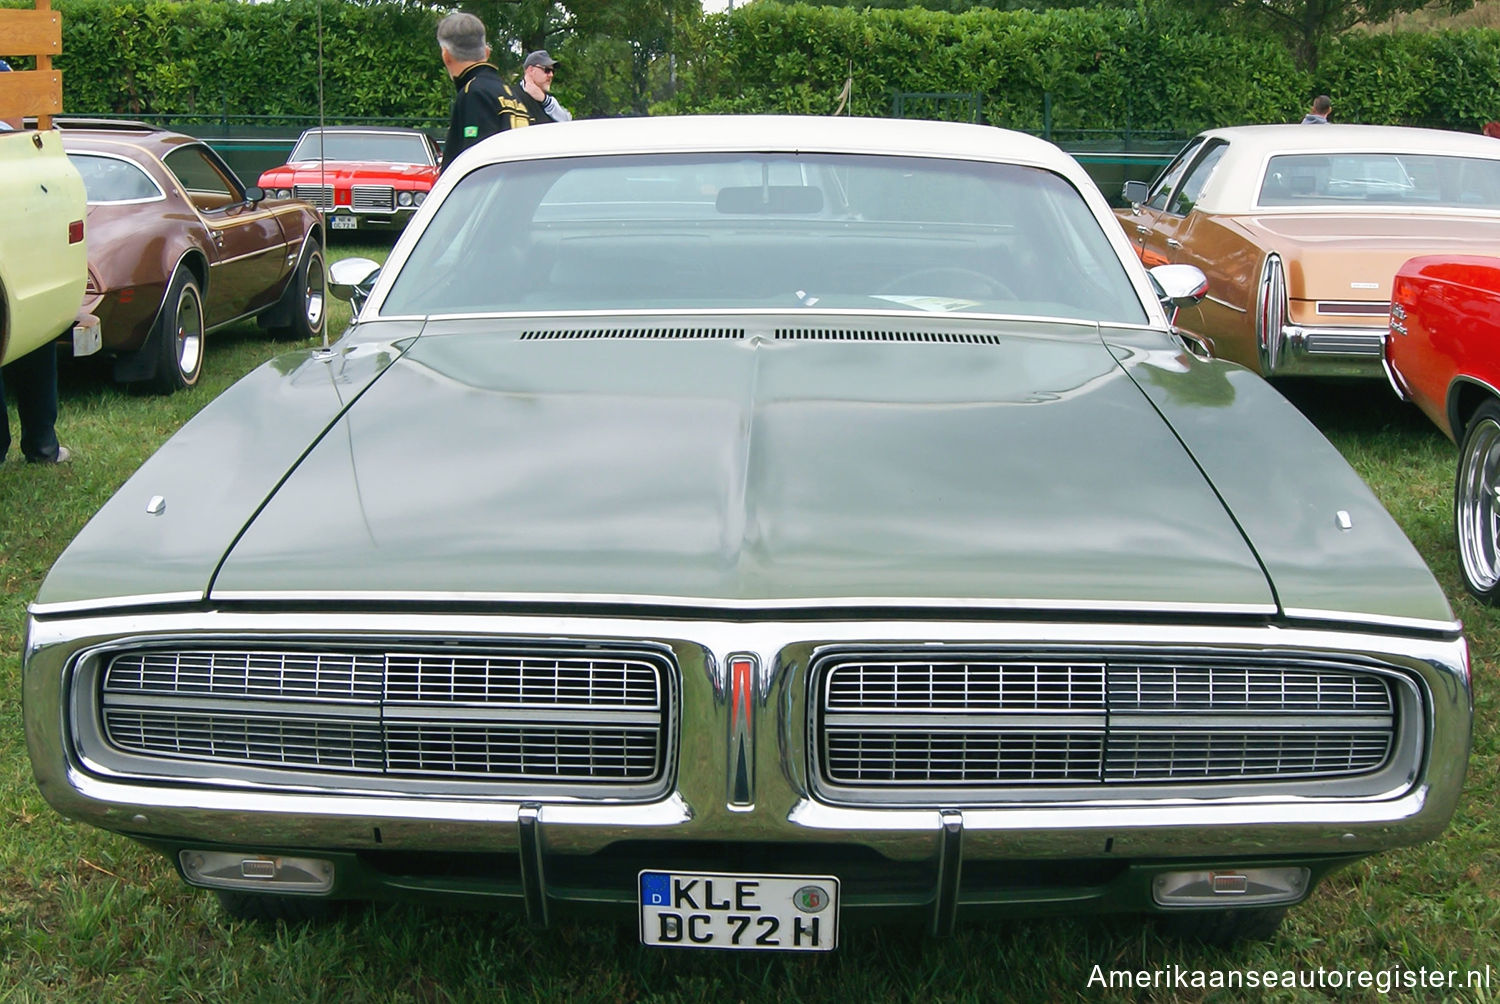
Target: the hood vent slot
(574, 334)
(878, 335)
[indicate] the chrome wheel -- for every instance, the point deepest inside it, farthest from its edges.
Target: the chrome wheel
(314, 285)
(179, 336)
(189, 334)
(1476, 504)
(302, 310)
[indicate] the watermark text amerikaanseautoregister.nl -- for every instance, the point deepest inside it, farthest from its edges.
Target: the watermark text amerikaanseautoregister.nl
(1395, 978)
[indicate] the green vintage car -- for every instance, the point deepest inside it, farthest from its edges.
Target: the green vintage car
(746, 524)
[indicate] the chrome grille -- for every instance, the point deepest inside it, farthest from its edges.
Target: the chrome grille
(319, 195)
(373, 199)
(982, 720)
(1167, 688)
(274, 675)
(919, 685)
(859, 756)
(543, 754)
(540, 714)
(319, 743)
(1156, 757)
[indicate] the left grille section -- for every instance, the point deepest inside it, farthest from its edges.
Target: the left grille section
(319, 195)
(535, 715)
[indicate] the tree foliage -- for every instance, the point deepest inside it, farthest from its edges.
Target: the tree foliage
(1090, 71)
(1304, 25)
(610, 49)
(1307, 26)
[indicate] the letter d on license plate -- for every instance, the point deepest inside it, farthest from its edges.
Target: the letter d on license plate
(789, 913)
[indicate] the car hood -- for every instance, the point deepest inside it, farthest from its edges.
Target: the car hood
(1028, 471)
(1355, 256)
(347, 171)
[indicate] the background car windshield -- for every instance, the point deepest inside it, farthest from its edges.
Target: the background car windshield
(1395, 179)
(109, 179)
(765, 231)
(392, 147)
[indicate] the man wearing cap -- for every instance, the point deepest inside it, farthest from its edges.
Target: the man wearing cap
(536, 89)
(485, 104)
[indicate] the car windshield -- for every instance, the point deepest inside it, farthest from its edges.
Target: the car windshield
(110, 179)
(395, 148)
(1388, 179)
(765, 231)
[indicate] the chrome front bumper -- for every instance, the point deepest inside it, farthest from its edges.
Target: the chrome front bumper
(701, 805)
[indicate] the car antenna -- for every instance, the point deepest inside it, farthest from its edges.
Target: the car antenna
(323, 177)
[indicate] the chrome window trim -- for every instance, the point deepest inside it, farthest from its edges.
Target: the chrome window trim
(160, 195)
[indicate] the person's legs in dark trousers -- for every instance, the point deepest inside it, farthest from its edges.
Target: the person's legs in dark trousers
(32, 380)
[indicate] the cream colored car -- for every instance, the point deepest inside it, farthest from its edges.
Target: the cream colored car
(1301, 228)
(43, 262)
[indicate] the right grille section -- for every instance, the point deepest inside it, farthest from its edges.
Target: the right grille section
(888, 721)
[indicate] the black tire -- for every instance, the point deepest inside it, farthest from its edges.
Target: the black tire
(269, 908)
(1476, 508)
(302, 311)
(178, 339)
(1223, 927)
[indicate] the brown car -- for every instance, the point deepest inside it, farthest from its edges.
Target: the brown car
(178, 247)
(1301, 228)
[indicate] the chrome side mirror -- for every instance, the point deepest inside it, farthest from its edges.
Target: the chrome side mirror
(1135, 192)
(352, 279)
(1180, 285)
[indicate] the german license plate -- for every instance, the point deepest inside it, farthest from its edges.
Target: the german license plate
(343, 223)
(788, 913)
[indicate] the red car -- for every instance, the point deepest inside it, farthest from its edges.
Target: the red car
(1443, 354)
(360, 177)
(178, 247)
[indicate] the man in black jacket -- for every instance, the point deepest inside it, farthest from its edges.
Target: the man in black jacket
(485, 104)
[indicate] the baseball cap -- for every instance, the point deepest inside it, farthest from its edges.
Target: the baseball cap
(539, 58)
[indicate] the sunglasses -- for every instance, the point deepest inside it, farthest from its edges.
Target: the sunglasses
(548, 70)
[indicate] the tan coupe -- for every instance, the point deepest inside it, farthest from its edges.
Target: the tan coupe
(1300, 230)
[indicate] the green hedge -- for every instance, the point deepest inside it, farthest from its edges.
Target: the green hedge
(1142, 69)
(1102, 68)
(216, 57)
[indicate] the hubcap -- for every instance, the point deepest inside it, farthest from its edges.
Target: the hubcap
(189, 333)
(313, 295)
(1477, 512)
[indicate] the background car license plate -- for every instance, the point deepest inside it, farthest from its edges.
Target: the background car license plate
(343, 223)
(794, 913)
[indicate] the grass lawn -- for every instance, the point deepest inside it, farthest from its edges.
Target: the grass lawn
(88, 916)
